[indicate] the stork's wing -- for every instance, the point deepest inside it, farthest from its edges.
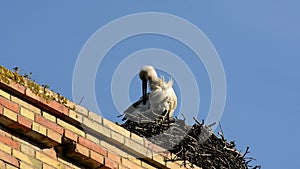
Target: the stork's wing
(163, 101)
(136, 108)
(159, 103)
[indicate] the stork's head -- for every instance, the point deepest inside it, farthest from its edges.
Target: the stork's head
(147, 73)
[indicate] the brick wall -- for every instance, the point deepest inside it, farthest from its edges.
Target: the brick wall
(39, 133)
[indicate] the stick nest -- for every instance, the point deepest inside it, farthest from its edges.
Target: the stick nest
(193, 145)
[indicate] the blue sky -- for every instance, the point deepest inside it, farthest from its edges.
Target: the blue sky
(257, 41)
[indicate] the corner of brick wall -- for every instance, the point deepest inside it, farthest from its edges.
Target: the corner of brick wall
(35, 133)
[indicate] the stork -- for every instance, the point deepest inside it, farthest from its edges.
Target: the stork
(161, 101)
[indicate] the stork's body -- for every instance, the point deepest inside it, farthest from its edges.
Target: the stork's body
(161, 101)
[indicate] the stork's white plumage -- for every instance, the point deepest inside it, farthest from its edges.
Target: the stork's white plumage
(161, 101)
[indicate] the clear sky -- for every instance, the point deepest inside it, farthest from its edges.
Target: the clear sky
(257, 41)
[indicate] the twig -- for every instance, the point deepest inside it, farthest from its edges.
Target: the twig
(212, 124)
(200, 124)
(81, 100)
(246, 152)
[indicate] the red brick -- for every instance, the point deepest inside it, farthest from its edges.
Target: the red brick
(70, 104)
(57, 106)
(70, 135)
(48, 124)
(9, 104)
(50, 152)
(33, 96)
(9, 142)
(17, 87)
(154, 147)
(91, 145)
(9, 159)
(114, 157)
(110, 164)
(19, 128)
(54, 135)
(82, 150)
(24, 121)
(97, 157)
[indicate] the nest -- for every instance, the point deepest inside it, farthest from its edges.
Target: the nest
(193, 145)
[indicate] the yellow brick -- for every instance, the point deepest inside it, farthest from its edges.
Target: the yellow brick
(39, 128)
(29, 160)
(90, 124)
(138, 147)
(137, 138)
(24, 165)
(27, 113)
(49, 117)
(45, 166)
(116, 128)
(159, 158)
(81, 110)
(118, 137)
(70, 127)
(26, 105)
(173, 165)
(69, 164)
(48, 160)
(194, 166)
(92, 138)
(114, 149)
(95, 117)
(135, 160)
(4, 94)
(75, 167)
(5, 148)
(75, 116)
(8, 166)
(10, 114)
(59, 166)
(27, 150)
(64, 162)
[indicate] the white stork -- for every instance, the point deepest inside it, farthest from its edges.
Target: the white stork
(161, 101)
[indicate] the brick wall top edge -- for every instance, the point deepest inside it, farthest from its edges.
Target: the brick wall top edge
(59, 106)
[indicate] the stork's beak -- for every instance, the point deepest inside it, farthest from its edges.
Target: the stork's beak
(144, 88)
